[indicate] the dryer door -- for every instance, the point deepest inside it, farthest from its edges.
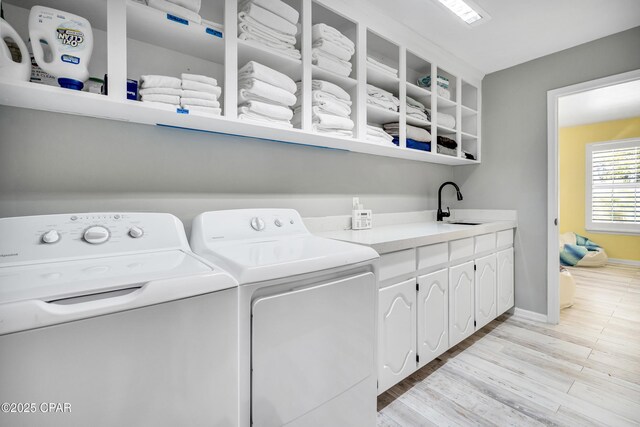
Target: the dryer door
(313, 355)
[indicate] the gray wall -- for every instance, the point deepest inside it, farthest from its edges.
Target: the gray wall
(513, 173)
(54, 163)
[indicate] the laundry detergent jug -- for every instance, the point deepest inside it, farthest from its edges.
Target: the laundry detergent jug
(14, 65)
(70, 39)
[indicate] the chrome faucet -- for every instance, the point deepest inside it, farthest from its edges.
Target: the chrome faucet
(448, 212)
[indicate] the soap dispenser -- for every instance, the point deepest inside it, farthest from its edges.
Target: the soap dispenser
(361, 219)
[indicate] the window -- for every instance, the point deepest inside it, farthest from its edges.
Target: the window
(613, 187)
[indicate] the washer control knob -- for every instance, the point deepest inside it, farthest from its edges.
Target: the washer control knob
(277, 222)
(257, 223)
(136, 232)
(96, 235)
(51, 236)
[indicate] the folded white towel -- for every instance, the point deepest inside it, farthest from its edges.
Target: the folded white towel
(198, 110)
(255, 70)
(151, 80)
(167, 99)
(249, 25)
(412, 102)
(419, 116)
(160, 91)
(443, 93)
(278, 7)
(269, 19)
(273, 111)
(332, 107)
(329, 62)
(376, 92)
(199, 102)
(193, 5)
(377, 131)
(335, 49)
(257, 90)
(446, 120)
(381, 66)
(176, 10)
(199, 78)
(259, 118)
(324, 31)
(382, 103)
(320, 96)
(330, 88)
(329, 121)
(198, 94)
(162, 105)
(280, 48)
(333, 132)
(413, 132)
(201, 87)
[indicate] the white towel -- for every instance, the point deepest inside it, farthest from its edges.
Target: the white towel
(167, 99)
(330, 62)
(278, 7)
(329, 121)
(382, 67)
(443, 93)
(412, 102)
(198, 94)
(319, 96)
(198, 110)
(201, 87)
(176, 10)
(199, 102)
(192, 5)
(257, 90)
(333, 132)
(377, 133)
(413, 132)
(151, 80)
(324, 31)
(247, 24)
(255, 70)
(162, 105)
(331, 88)
(332, 107)
(377, 93)
(160, 91)
(199, 78)
(446, 120)
(273, 111)
(333, 48)
(269, 19)
(280, 48)
(259, 118)
(382, 103)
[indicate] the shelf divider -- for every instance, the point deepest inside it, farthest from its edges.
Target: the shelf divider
(117, 58)
(231, 65)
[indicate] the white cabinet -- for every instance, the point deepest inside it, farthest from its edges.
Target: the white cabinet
(485, 278)
(505, 283)
(396, 333)
(461, 302)
(433, 316)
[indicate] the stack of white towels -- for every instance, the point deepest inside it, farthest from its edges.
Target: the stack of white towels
(270, 24)
(377, 135)
(417, 110)
(186, 9)
(330, 109)
(200, 95)
(265, 95)
(381, 98)
(161, 91)
(444, 119)
(331, 49)
(380, 66)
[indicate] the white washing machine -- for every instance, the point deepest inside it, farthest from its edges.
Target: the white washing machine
(307, 309)
(108, 319)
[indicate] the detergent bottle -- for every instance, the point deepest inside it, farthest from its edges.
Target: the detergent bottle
(71, 41)
(10, 67)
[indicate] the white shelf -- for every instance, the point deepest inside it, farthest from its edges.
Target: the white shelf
(383, 80)
(379, 115)
(152, 26)
(419, 94)
(467, 112)
(445, 130)
(342, 81)
(468, 135)
(444, 102)
(248, 51)
(417, 122)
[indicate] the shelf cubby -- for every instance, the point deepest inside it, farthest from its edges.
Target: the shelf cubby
(380, 116)
(443, 101)
(388, 53)
(417, 68)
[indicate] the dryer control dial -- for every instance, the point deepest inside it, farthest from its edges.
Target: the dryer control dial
(51, 236)
(257, 223)
(136, 232)
(96, 235)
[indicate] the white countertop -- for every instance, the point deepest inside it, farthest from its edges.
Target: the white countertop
(395, 237)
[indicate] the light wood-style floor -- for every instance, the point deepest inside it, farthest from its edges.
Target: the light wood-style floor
(583, 372)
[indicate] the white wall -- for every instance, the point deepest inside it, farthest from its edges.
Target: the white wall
(53, 163)
(513, 173)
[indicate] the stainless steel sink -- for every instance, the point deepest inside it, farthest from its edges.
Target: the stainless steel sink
(464, 223)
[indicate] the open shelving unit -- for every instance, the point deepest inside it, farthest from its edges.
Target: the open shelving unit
(132, 39)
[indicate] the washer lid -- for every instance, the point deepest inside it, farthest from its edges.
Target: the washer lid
(258, 260)
(70, 279)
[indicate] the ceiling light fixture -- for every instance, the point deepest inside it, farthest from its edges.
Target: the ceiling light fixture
(463, 11)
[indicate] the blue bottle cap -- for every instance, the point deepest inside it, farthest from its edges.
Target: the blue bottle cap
(70, 83)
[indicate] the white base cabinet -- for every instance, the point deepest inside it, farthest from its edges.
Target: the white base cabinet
(433, 316)
(396, 333)
(461, 303)
(485, 290)
(505, 287)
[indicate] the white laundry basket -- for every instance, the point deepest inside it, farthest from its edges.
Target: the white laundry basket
(567, 288)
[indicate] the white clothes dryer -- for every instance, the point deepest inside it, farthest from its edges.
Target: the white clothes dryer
(111, 319)
(307, 309)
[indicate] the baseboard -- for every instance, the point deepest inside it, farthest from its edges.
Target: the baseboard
(631, 262)
(530, 315)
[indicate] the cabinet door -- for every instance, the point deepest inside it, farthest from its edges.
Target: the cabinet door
(485, 290)
(461, 304)
(506, 289)
(433, 316)
(396, 333)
